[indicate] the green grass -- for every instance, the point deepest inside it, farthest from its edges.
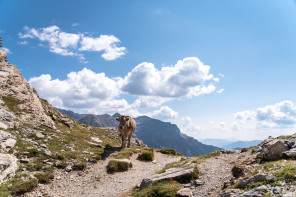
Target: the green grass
(45, 177)
(17, 186)
(167, 188)
(168, 151)
(118, 166)
(209, 155)
(286, 137)
(147, 155)
(288, 172)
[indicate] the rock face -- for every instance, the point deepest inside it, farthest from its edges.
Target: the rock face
(257, 178)
(20, 97)
(8, 166)
(172, 173)
(272, 149)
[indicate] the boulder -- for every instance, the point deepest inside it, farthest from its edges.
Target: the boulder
(274, 150)
(8, 166)
(257, 178)
(230, 193)
(172, 173)
(257, 192)
(290, 153)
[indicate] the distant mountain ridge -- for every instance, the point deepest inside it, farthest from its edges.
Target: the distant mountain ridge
(155, 133)
(104, 120)
(228, 144)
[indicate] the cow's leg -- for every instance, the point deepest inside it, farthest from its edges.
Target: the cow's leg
(122, 141)
(129, 141)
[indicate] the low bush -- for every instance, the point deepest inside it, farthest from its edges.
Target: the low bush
(168, 151)
(167, 188)
(147, 155)
(237, 171)
(118, 166)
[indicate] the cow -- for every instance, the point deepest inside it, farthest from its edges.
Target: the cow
(126, 127)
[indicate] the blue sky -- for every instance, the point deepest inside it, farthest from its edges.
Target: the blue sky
(218, 69)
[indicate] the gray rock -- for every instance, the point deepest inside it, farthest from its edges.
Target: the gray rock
(172, 173)
(185, 192)
(96, 139)
(277, 190)
(274, 150)
(257, 178)
(3, 126)
(39, 135)
(290, 153)
(8, 166)
(68, 168)
(257, 192)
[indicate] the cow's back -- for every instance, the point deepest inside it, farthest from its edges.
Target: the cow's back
(132, 124)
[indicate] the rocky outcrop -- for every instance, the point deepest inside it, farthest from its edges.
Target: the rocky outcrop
(6, 141)
(172, 173)
(257, 178)
(272, 149)
(20, 97)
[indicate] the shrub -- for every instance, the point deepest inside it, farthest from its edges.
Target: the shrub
(288, 172)
(33, 152)
(244, 150)
(237, 171)
(166, 188)
(22, 187)
(146, 155)
(168, 151)
(118, 166)
(45, 177)
(79, 166)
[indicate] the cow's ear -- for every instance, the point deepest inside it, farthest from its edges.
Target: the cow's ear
(117, 118)
(127, 118)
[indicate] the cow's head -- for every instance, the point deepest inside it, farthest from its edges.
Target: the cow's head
(122, 121)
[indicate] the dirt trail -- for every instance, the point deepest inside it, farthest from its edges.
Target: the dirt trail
(95, 181)
(214, 172)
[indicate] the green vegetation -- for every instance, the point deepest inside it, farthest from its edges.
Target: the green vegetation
(288, 172)
(118, 166)
(147, 155)
(17, 186)
(126, 153)
(244, 150)
(237, 171)
(209, 155)
(169, 151)
(167, 188)
(286, 137)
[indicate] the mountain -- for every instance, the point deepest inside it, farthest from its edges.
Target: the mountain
(238, 145)
(104, 120)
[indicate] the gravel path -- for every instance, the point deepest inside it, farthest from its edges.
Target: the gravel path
(96, 182)
(214, 172)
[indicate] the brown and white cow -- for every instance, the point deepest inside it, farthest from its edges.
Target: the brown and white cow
(126, 127)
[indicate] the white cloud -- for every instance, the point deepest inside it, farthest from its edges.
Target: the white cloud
(187, 78)
(70, 44)
(6, 50)
(187, 126)
(165, 113)
(216, 79)
(220, 91)
(221, 75)
(23, 42)
(75, 24)
(279, 115)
